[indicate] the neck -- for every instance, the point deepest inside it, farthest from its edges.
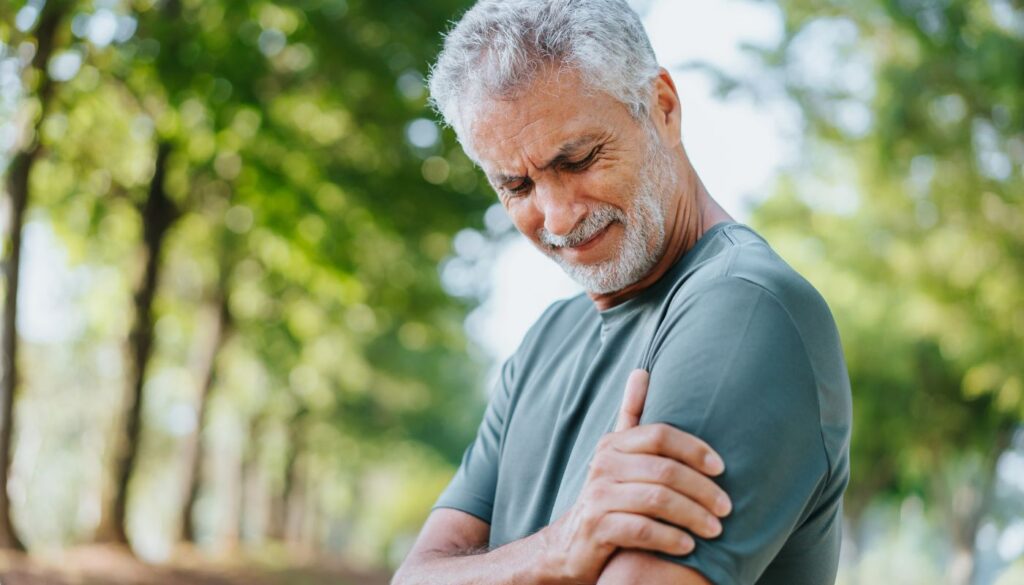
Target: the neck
(693, 213)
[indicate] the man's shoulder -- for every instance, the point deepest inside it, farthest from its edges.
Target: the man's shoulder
(748, 295)
(746, 298)
(743, 260)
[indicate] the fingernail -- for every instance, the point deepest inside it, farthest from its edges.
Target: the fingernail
(714, 526)
(713, 463)
(722, 505)
(687, 543)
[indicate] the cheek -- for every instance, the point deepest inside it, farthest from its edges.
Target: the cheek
(608, 185)
(525, 216)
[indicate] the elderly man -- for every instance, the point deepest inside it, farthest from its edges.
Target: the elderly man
(570, 479)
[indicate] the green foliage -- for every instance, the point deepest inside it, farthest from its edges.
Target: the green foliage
(302, 201)
(909, 215)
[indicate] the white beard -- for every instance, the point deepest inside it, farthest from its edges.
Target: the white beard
(643, 241)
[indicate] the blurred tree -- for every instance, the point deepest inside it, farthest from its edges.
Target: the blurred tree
(214, 336)
(158, 215)
(300, 134)
(907, 213)
(39, 84)
(154, 81)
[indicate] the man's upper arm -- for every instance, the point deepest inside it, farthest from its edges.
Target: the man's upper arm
(460, 520)
(472, 488)
(730, 367)
(633, 567)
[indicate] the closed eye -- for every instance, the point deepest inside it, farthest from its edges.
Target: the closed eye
(522, 187)
(583, 163)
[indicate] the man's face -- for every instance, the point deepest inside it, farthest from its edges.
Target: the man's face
(586, 182)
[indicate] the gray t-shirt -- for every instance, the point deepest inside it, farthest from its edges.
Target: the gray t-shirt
(743, 353)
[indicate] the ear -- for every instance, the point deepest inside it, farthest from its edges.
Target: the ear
(665, 109)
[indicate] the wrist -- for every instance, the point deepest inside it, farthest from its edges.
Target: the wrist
(546, 565)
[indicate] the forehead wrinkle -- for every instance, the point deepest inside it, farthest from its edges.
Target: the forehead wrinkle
(535, 124)
(572, 146)
(512, 140)
(565, 150)
(522, 156)
(525, 128)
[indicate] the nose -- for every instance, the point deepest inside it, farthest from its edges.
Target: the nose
(561, 209)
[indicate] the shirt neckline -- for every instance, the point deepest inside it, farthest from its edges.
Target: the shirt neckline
(626, 308)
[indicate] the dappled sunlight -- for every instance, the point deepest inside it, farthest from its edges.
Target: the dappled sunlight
(262, 289)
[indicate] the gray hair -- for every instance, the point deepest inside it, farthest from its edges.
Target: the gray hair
(498, 47)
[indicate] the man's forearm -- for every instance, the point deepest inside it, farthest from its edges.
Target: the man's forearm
(521, 562)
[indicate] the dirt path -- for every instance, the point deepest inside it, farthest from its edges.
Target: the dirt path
(112, 566)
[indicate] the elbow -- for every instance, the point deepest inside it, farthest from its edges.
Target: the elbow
(405, 572)
(398, 578)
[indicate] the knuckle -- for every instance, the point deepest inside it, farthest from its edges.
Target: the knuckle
(719, 495)
(706, 498)
(656, 498)
(694, 455)
(712, 493)
(599, 465)
(663, 434)
(694, 483)
(663, 472)
(598, 491)
(591, 522)
(699, 450)
(599, 530)
(651, 439)
(643, 531)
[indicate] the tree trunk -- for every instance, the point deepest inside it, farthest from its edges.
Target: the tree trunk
(296, 504)
(195, 454)
(230, 536)
(314, 525)
(18, 189)
(255, 518)
(277, 507)
(158, 215)
(18, 174)
(970, 502)
(293, 493)
(282, 504)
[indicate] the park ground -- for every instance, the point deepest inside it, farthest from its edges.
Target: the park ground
(99, 565)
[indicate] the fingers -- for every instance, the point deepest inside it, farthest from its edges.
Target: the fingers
(668, 441)
(632, 531)
(653, 469)
(633, 400)
(657, 501)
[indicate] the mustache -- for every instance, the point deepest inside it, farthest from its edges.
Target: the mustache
(594, 222)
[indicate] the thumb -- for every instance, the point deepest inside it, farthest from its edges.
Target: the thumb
(633, 401)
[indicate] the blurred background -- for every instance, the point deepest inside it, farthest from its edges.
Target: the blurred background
(253, 294)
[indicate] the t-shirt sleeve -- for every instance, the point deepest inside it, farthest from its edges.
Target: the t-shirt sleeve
(728, 365)
(472, 488)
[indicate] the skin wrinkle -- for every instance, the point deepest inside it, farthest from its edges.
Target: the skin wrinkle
(643, 225)
(519, 141)
(572, 150)
(518, 78)
(567, 152)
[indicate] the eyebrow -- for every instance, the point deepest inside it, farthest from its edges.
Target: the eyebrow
(564, 153)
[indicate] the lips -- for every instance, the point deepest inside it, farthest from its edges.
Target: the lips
(592, 240)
